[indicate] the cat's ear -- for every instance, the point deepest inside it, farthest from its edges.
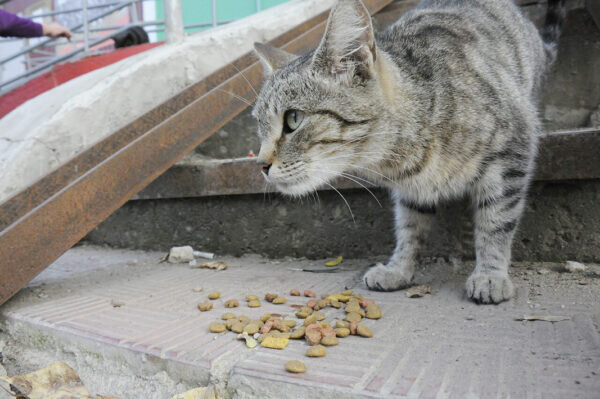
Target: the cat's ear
(347, 49)
(272, 58)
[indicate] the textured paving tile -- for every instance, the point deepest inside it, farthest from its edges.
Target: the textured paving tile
(439, 346)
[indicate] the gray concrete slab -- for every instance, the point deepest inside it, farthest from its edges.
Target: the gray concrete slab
(441, 346)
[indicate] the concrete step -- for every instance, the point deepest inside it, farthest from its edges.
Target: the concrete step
(157, 344)
(224, 206)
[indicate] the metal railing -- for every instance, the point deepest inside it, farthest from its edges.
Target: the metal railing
(172, 25)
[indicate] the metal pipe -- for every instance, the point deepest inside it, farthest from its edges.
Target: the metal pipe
(45, 42)
(86, 28)
(214, 13)
(71, 10)
(173, 21)
(59, 58)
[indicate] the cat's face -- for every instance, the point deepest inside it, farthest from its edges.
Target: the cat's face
(315, 112)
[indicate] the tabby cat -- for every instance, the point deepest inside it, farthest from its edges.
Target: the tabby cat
(440, 104)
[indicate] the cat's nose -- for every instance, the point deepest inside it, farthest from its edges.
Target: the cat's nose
(266, 167)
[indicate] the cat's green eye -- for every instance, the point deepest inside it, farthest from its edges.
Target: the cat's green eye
(292, 120)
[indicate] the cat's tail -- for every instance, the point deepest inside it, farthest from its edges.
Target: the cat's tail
(555, 16)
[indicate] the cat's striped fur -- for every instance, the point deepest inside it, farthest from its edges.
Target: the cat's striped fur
(441, 104)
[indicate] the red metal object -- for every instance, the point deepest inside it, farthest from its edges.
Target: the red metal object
(63, 73)
(45, 220)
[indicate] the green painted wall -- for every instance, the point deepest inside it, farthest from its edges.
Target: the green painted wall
(200, 11)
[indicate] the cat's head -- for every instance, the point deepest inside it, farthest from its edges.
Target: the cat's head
(315, 111)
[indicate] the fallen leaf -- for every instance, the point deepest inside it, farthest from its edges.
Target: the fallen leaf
(418, 291)
(552, 319)
(56, 381)
(198, 393)
(334, 262)
(213, 265)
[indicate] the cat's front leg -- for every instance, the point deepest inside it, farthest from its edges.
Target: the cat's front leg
(496, 219)
(411, 223)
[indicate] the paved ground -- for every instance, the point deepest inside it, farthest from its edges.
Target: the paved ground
(441, 346)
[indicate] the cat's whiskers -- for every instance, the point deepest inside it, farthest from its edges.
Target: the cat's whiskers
(340, 194)
(236, 96)
(365, 136)
(351, 178)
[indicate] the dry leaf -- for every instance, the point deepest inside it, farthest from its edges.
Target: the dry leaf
(56, 381)
(335, 262)
(549, 318)
(418, 291)
(213, 265)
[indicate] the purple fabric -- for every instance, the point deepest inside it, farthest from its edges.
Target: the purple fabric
(12, 25)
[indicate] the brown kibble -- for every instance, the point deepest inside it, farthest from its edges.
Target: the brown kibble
(327, 332)
(265, 317)
(316, 351)
(312, 319)
(364, 331)
(298, 333)
(270, 297)
(290, 323)
(251, 298)
(329, 341)
(341, 324)
(309, 294)
(244, 319)
(325, 324)
(275, 342)
(227, 316)
(353, 327)
(352, 307)
(306, 309)
(214, 295)
(347, 292)
(267, 327)
(217, 327)
(254, 304)
(323, 303)
(312, 333)
(229, 323)
(205, 306)
(353, 317)
(279, 300)
(251, 328)
(295, 366)
(232, 303)
(366, 302)
(281, 326)
(335, 304)
(311, 304)
(294, 293)
(319, 316)
(342, 332)
(373, 311)
(302, 315)
(238, 327)
(278, 334)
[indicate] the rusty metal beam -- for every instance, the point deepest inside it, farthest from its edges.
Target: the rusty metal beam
(56, 216)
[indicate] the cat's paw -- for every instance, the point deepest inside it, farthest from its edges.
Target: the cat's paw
(383, 278)
(489, 287)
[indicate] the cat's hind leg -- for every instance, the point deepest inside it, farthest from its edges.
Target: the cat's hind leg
(411, 224)
(499, 201)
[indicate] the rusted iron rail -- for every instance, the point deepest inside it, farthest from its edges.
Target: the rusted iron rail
(42, 222)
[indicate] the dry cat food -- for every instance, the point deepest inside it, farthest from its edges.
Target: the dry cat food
(214, 295)
(295, 366)
(232, 303)
(217, 327)
(254, 304)
(205, 306)
(279, 300)
(274, 331)
(316, 351)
